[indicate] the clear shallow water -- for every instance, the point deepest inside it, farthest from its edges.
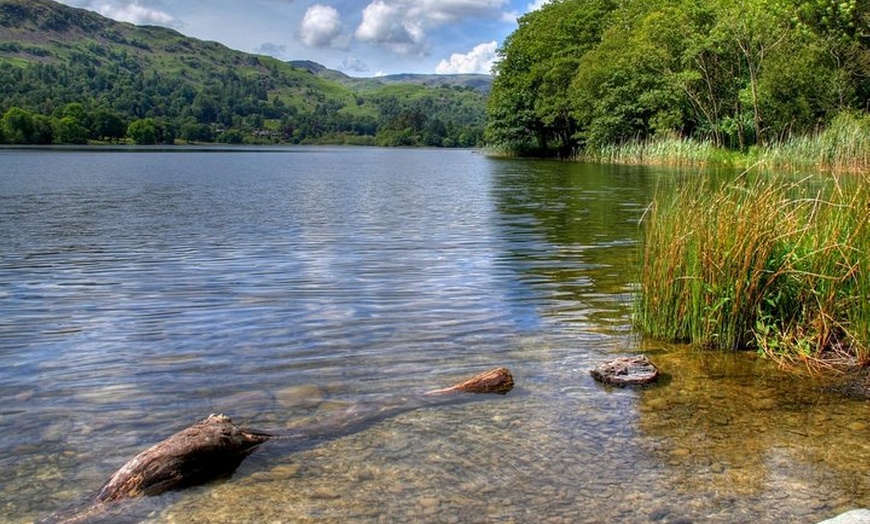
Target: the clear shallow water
(141, 291)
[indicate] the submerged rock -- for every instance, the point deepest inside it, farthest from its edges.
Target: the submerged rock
(626, 371)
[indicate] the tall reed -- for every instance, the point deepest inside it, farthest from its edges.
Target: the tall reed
(666, 150)
(760, 262)
(844, 146)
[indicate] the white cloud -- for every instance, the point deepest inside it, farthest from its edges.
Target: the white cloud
(353, 64)
(320, 26)
(390, 24)
(478, 60)
(133, 12)
(443, 11)
(403, 24)
(272, 49)
(537, 4)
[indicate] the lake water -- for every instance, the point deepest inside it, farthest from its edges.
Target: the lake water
(141, 290)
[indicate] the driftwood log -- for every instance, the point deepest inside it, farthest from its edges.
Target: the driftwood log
(206, 450)
(498, 381)
(215, 447)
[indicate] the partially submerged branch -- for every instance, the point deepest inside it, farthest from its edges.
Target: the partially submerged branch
(215, 447)
(206, 450)
(498, 381)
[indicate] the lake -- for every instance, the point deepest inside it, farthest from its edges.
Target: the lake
(141, 290)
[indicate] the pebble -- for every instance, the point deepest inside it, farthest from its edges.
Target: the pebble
(429, 503)
(325, 494)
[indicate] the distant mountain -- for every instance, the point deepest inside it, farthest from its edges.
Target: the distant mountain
(53, 55)
(482, 83)
(317, 69)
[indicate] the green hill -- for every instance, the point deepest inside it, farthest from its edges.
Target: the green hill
(65, 72)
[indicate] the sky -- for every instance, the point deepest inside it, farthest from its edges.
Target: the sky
(362, 38)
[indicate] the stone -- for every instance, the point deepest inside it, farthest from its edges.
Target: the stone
(626, 371)
(856, 516)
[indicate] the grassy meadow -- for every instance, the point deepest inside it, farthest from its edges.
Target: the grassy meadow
(766, 262)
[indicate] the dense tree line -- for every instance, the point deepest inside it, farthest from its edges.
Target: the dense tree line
(738, 73)
(106, 95)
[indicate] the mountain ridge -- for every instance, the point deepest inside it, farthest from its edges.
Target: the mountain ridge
(30, 20)
(478, 81)
(52, 55)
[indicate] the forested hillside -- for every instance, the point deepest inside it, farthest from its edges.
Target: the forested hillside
(736, 73)
(71, 76)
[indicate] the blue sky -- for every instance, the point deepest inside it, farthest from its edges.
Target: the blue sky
(359, 37)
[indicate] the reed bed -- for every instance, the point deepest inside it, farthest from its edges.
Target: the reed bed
(761, 263)
(842, 147)
(666, 150)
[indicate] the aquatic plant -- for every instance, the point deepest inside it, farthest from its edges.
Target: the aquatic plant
(844, 146)
(760, 262)
(667, 150)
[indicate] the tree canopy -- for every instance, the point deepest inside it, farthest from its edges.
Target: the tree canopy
(737, 73)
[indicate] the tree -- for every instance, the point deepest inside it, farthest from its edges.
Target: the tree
(625, 88)
(18, 126)
(736, 72)
(67, 130)
(231, 136)
(43, 130)
(193, 132)
(529, 106)
(144, 131)
(435, 133)
(108, 125)
(755, 29)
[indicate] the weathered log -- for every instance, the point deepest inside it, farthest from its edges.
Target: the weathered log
(626, 371)
(498, 381)
(209, 449)
(215, 446)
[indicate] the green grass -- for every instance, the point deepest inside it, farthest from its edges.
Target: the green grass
(844, 146)
(760, 263)
(663, 150)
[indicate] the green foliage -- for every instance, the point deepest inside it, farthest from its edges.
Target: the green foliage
(62, 62)
(193, 132)
(18, 127)
(783, 267)
(529, 107)
(231, 136)
(144, 132)
(733, 73)
(108, 126)
(68, 130)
